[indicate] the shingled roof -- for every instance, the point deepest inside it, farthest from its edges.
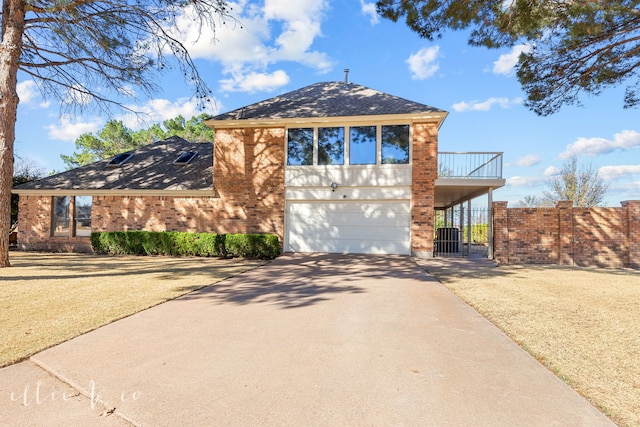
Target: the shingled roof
(328, 99)
(151, 167)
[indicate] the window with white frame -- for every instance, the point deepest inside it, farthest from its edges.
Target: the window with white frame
(352, 145)
(395, 144)
(331, 146)
(300, 146)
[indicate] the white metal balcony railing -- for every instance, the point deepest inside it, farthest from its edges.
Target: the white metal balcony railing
(469, 165)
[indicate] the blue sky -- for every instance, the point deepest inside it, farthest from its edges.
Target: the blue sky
(280, 45)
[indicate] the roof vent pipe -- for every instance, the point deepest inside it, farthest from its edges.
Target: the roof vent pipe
(346, 75)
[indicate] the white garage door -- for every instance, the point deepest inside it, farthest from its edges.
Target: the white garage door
(349, 227)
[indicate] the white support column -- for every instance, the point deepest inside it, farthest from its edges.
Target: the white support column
(461, 234)
(469, 228)
(490, 225)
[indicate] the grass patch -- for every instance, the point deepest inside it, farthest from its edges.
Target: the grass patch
(582, 323)
(46, 299)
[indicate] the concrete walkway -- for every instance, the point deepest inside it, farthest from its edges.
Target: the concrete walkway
(327, 340)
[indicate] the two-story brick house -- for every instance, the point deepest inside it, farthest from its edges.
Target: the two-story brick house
(331, 167)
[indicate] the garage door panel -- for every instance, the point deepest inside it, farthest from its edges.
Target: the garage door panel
(349, 227)
(346, 220)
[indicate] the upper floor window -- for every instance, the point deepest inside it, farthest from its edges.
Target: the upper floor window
(300, 146)
(357, 145)
(330, 146)
(362, 145)
(395, 144)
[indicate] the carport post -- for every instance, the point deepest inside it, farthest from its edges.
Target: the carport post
(461, 234)
(490, 225)
(469, 228)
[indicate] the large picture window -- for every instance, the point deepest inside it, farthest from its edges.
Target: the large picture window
(64, 222)
(362, 145)
(395, 144)
(352, 145)
(60, 216)
(300, 146)
(82, 216)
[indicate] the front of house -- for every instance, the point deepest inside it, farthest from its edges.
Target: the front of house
(331, 167)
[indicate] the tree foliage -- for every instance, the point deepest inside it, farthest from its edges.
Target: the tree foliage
(115, 138)
(575, 47)
(25, 171)
(582, 185)
(91, 53)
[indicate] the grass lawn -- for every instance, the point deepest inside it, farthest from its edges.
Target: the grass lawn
(46, 299)
(582, 323)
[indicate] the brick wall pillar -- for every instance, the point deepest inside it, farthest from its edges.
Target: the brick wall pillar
(632, 208)
(424, 172)
(500, 232)
(565, 233)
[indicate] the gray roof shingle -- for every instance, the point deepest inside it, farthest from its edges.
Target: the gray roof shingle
(328, 99)
(150, 168)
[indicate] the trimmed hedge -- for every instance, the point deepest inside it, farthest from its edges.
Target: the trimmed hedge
(174, 243)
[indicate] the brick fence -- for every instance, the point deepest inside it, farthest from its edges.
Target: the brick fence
(565, 235)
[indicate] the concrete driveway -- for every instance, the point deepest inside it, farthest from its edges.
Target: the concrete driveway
(328, 340)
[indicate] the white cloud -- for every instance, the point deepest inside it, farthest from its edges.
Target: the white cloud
(158, 110)
(370, 10)
(525, 181)
(281, 30)
(625, 140)
(506, 62)
(609, 173)
(27, 91)
(253, 82)
(422, 64)
(69, 129)
(486, 105)
(528, 160)
(551, 171)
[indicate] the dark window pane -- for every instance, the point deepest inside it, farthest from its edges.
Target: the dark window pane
(82, 215)
(331, 146)
(60, 216)
(395, 144)
(362, 145)
(120, 159)
(185, 157)
(300, 146)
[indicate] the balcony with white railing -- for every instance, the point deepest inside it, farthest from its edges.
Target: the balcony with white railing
(464, 176)
(472, 165)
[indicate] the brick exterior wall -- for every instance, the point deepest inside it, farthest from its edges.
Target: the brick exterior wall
(424, 173)
(564, 235)
(248, 198)
(34, 230)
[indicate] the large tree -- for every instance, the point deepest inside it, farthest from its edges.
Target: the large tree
(115, 138)
(581, 185)
(573, 47)
(87, 51)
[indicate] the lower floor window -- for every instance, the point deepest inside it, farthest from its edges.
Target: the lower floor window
(60, 216)
(71, 216)
(82, 216)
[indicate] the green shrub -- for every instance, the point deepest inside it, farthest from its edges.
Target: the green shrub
(172, 243)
